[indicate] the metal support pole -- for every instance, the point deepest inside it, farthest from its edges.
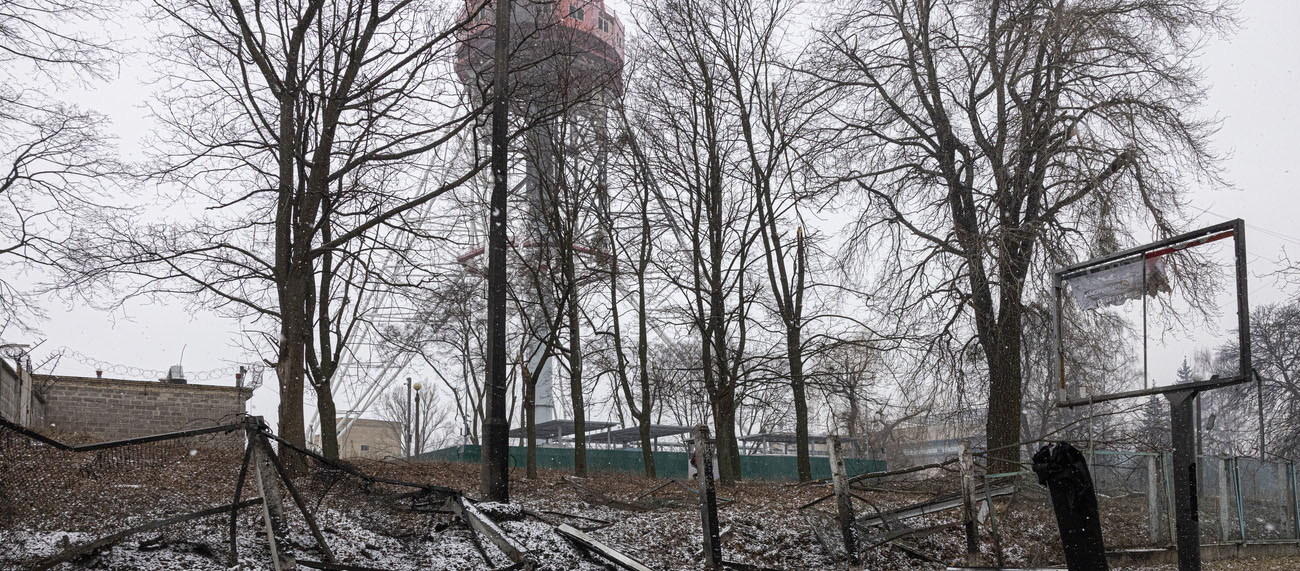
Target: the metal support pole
(708, 498)
(1295, 498)
(495, 473)
(1245, 366)
(410, 441)
(843, 501)
(1188, 528)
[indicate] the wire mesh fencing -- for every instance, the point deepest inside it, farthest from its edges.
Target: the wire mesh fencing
(54, 496)
(1239, 499)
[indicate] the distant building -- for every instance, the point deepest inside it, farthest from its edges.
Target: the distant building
(368, 438)
(923, 443)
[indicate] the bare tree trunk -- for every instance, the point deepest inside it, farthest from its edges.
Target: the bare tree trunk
(530, 417)
(329, 430)
(575, 365)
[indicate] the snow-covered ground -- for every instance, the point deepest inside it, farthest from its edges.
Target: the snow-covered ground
(52, 500)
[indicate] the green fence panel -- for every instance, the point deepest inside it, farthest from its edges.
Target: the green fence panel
(667, 464)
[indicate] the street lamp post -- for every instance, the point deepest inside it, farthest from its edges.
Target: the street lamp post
(418, 439)
(410, 442)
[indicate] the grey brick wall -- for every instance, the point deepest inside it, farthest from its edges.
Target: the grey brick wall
(91, 409)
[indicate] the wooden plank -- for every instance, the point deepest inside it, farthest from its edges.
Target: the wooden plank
(605, 551)
(1207, 384)
(934, 506)
(277, 529)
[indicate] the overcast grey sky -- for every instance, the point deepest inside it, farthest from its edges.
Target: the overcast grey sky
(1254, 84)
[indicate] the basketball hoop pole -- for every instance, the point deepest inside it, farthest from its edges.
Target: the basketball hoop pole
(1182, 397)
(1187, 520)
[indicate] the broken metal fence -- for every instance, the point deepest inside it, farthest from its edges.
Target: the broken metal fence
(247, 497)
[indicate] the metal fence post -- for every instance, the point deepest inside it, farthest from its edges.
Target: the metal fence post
(1153, 499)
(1241, 507)
(1224, 498)
(1282, 479)
(1295, 499)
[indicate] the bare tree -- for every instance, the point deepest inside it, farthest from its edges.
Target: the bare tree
(688, 132)
(434, 420)
(994, 135)
(298, 123)
(55, 162)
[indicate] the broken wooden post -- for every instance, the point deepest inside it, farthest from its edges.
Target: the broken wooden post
(993, 523)
(966, 464)
(703, 459)
(843, 503)
(268, 485)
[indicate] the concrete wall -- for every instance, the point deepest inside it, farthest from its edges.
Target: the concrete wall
(10, 389)
(92, 410)
(368, 438)
(19, 401)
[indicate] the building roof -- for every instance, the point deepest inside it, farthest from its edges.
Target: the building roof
(789, 438)
(369, 422)
(559, 428)
(633, 433)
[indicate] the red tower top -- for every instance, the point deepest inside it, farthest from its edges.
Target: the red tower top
(560, 42)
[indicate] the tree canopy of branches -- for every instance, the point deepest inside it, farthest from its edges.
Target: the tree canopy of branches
(996, 138)
(54, 157)
(297, 125)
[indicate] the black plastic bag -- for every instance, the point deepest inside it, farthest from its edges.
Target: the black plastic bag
(1062, 468)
